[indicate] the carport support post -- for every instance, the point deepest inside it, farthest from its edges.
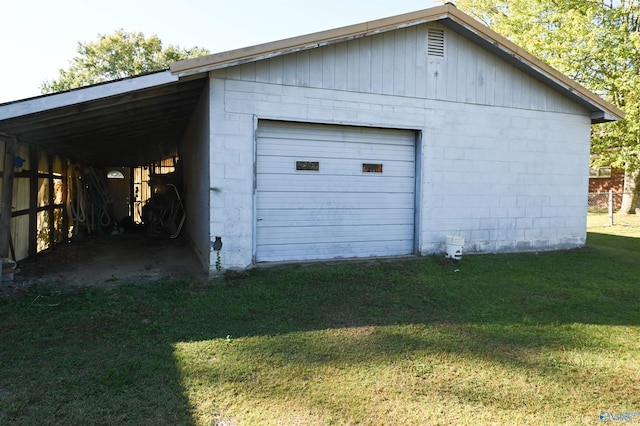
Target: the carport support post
(11, 145)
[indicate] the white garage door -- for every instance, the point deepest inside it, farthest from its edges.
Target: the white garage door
(326, 192)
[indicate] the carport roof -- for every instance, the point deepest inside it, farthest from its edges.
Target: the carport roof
(128, 122)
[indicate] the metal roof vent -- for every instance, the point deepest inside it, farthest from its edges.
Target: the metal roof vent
(435, 42)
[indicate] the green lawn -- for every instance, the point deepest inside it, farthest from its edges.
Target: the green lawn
(624, 223)
(539, 339)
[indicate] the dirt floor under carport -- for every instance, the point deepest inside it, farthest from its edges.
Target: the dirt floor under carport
(108, 261)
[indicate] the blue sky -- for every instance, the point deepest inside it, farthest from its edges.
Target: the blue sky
(39, 37)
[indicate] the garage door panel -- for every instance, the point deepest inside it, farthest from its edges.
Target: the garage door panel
(329, 149)
(335, 166)
(299, 132)
(314, 251)
(333, 135)
(332, 200)
(349, 168)
(335, 184)
(337, 210)
(337, 217)
(334, 233)
(334, 151)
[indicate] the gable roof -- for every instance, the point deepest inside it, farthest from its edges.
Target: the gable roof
(447, 15)
(138, 119)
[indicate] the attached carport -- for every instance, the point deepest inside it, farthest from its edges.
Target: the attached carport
(138, 122)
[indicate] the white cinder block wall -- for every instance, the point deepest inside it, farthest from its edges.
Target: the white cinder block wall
(232, 175)
(505, 179)
(504, 159)
(195, 156)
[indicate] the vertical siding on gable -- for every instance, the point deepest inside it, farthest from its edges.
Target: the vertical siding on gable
(411, 60)
(476, 76)
(434, 77)
(289, 69)
(248, 72)
(489, 82)
(276, 70)
(399, 86)
(469, 80)
(421, 68)
(315, 68)
(303, 70)
(353, 65)
(262, 71)
(377, 57)
(388, 62)
(365, 64)
(328, 67)
(396, 63)
(341, 65)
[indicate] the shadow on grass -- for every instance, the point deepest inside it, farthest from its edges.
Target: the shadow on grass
(142, 354)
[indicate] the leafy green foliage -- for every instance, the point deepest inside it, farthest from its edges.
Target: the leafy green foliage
(119, 55)
(595, 42)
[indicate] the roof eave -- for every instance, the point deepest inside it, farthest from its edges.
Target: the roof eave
(84, 94)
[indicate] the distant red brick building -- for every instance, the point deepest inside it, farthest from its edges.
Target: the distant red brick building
(602, 180)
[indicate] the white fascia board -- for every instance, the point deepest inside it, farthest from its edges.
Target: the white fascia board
(86, 94)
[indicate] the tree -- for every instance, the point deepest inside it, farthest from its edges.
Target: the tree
(595, 42)
(119, 55)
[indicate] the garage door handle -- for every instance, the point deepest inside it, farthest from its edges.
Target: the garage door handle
(260, 218)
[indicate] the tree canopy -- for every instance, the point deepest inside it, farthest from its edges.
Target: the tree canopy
(595, 42)
(119, 55)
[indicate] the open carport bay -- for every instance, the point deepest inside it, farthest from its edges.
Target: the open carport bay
(108, 261)
(131, 139)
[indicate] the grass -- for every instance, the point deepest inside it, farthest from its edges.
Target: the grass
(540, 339)
(624, 223)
